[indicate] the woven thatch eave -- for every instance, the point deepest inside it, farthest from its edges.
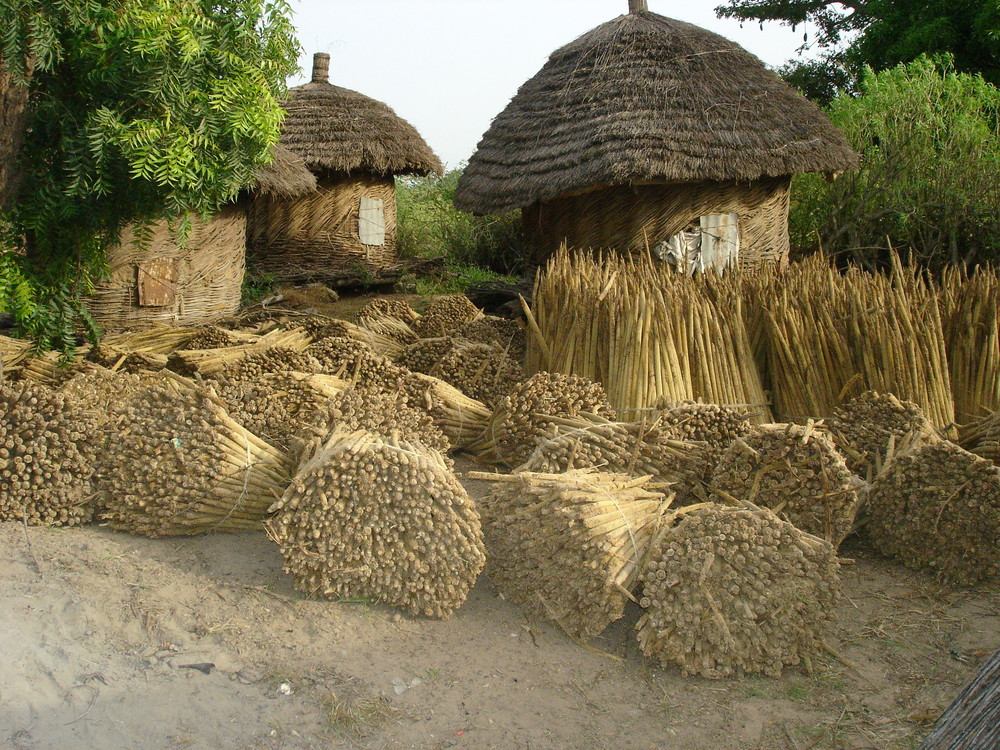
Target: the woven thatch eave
(285, 177)
(644, 98)
(334, 129)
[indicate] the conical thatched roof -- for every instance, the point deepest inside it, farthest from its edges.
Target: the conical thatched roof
(285, 177)
(340, 130)
(647, 98)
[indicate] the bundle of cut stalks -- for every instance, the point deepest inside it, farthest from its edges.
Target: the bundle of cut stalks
(381, 519)
(461, 418)
(982, 437)
(423, 355)
(866, 428)
(274, 359)
(214, 337)
(389, 318)
(588, 441)
(795, 471)
(935, 506)
(278, 406)
(377, 411)
(482, 371)
(47, 448)
(524, 415)
(712, 424)
(13, 351)
(177, 463)
(393, 308)
(730, 590)
(123, 360)
(568, 547)
(210, 362)
(445, 315)
(52, 369)
(648, 334)
(833, 335)
(383, 345)
(509, 335)
(100, 391)
(159, 339)
(972, 323)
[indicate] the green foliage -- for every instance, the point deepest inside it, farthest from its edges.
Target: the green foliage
(929, 184)
(883, 33)
(139, 109)
(256, 286)
(429, 225)
(819, 80)
(459, 277)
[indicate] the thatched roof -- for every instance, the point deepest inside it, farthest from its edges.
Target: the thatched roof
(285, 177)
(340, 130)
(647, 98)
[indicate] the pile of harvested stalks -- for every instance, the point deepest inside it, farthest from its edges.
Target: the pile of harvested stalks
(423, 355)
(51, 369)
(215, 360)
(483, 371)
(390, 318)
(866, 427)
(714, 425)
(795, 471)
(731, 590)
(936, 506)
(177, 463)
(274, 359)
(523, 416)
(569, 546)
(982, 437)
(588, 441)
(445, 315)
(47, 448)
(101, 391)
(508, 334)
(458, 416)
(648, 334)
(380, 519)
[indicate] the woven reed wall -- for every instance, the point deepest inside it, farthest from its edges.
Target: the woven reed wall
(635, 218)
(316, 236)
(209, 273)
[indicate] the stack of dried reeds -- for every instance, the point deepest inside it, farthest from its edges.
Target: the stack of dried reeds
(458, 416)
(648, 334)
(867, 427)
(47, 449)
(213, 361)
(484, 372)
(731, 590)
(383, 519)
(712, 425)
(569, 546)
(795, 471)
(177, 463)
(445, 315)
(982, 437)
(936, 506)
(971, 306)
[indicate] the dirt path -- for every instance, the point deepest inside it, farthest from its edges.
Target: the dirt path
(99, 637)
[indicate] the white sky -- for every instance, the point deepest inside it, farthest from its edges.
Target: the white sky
(450, 66)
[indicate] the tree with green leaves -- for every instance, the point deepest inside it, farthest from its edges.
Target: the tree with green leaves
(929, 183)
(854, 34)
(131, 111)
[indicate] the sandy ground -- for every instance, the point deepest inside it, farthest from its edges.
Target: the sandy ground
(106, 638)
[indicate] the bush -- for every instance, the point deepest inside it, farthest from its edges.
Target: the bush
(929, 184)
(429, 225)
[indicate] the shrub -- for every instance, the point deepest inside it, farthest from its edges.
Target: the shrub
(929, 184)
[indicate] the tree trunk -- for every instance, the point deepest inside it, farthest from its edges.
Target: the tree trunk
(13, 122)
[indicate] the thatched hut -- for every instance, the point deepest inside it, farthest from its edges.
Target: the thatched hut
(153, 277)
(648, 132)
(355, 146)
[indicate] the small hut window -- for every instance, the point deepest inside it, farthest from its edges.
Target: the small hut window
(713, 241)
(371, 221)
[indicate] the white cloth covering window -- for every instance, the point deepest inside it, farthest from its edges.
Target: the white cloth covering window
(371, 221)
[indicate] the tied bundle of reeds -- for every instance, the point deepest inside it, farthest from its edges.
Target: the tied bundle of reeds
(712, 425)
(213, 361)
(796, 472)
(273, 360)
(100, 390)
(982, 437)
(523, 416)
(423, 355)
(47, 449)
(382, 519)
(866, 428)
(123, 360)
(177, 463)
(648, 334)
(569, 546)
(509, 335)
(461, 418)
(445, 315)
(971, 306)
(278, 406)
(731, 590)
(13, 352)
(832, 335)
(160, 338)
(52, 369)
(588, 441)
(389, 318)
(935, 506)
(482, 371)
